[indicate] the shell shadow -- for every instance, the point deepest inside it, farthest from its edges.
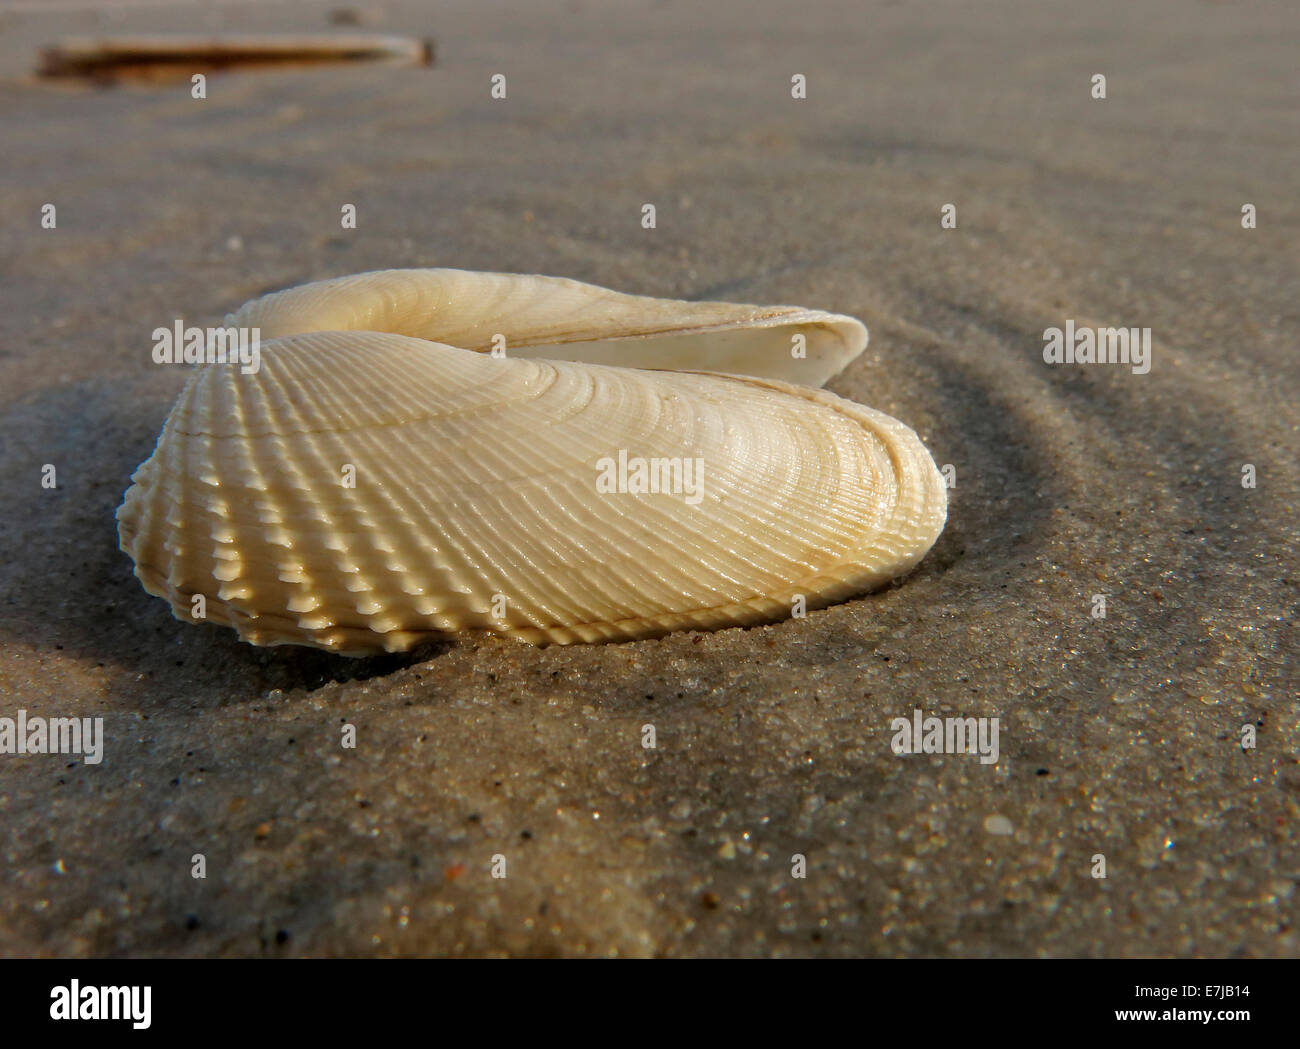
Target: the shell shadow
(69, 588)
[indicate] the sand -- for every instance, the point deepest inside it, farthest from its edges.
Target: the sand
(1120, 737)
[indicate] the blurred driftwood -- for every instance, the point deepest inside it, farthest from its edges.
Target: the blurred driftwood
(107, 59)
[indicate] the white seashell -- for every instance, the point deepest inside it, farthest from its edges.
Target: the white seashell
(479, 500)
(562, 319)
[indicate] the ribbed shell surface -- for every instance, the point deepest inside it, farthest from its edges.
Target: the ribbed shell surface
(365, 491)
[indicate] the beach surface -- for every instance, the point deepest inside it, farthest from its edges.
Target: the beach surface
(1125, 741)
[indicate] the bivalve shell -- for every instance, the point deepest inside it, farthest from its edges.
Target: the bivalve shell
(365, 490)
